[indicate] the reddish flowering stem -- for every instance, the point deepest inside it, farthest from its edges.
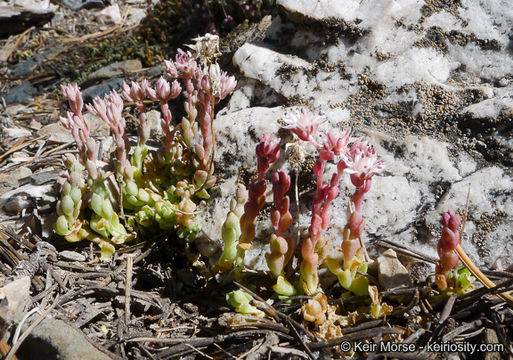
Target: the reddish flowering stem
(75, 122)
(313, 249)
(136, 94)
(206, 131)
(268, 151)
(449, 241)
(109, 109)
(362, 164)
(280, 215)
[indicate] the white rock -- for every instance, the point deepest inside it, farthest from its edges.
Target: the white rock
(443, 19)
(71, 256)
(26, 190)
(391, 273)
(33, 4)
(480, 63)
(15, 109)
(153, 118)
(489, 108)
(321, 9)
(489, 191)
(415, 65)
(390, 208)
(486, 20)
(15, 132)
(135, 16)
(13, 298)
(56, 133)
(261, 63)
(110, 14)
(391, 50)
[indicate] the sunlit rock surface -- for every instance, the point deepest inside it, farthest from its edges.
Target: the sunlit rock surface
(428, 83)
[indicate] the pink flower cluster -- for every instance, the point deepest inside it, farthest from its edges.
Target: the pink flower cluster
(362, 165)
(304, 125)
(267, 151)
(163, 93)
(204, 88)
(215, 82)
(110, 110)
(360, 161)
(75, 122)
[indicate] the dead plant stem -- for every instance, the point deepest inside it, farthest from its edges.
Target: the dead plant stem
(471, 266)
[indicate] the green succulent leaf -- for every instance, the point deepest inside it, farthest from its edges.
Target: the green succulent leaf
(240, 300)
(76, 195)
(67, 205)
(61, 226)
(360, 286)
(283, 287)
(96, 203)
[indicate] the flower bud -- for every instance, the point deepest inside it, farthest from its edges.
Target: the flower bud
(170, 69)
(75, 178)
(205, 84)
(146, 86)
(163, 89)
(176, 89)
(451, 220)
(91, 169)
(66, 188)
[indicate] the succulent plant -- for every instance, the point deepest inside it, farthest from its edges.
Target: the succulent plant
(162, 194)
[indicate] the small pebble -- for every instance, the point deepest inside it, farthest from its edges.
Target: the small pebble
(71, 256)
(392, 274)
(190, 308)
(16, 204)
